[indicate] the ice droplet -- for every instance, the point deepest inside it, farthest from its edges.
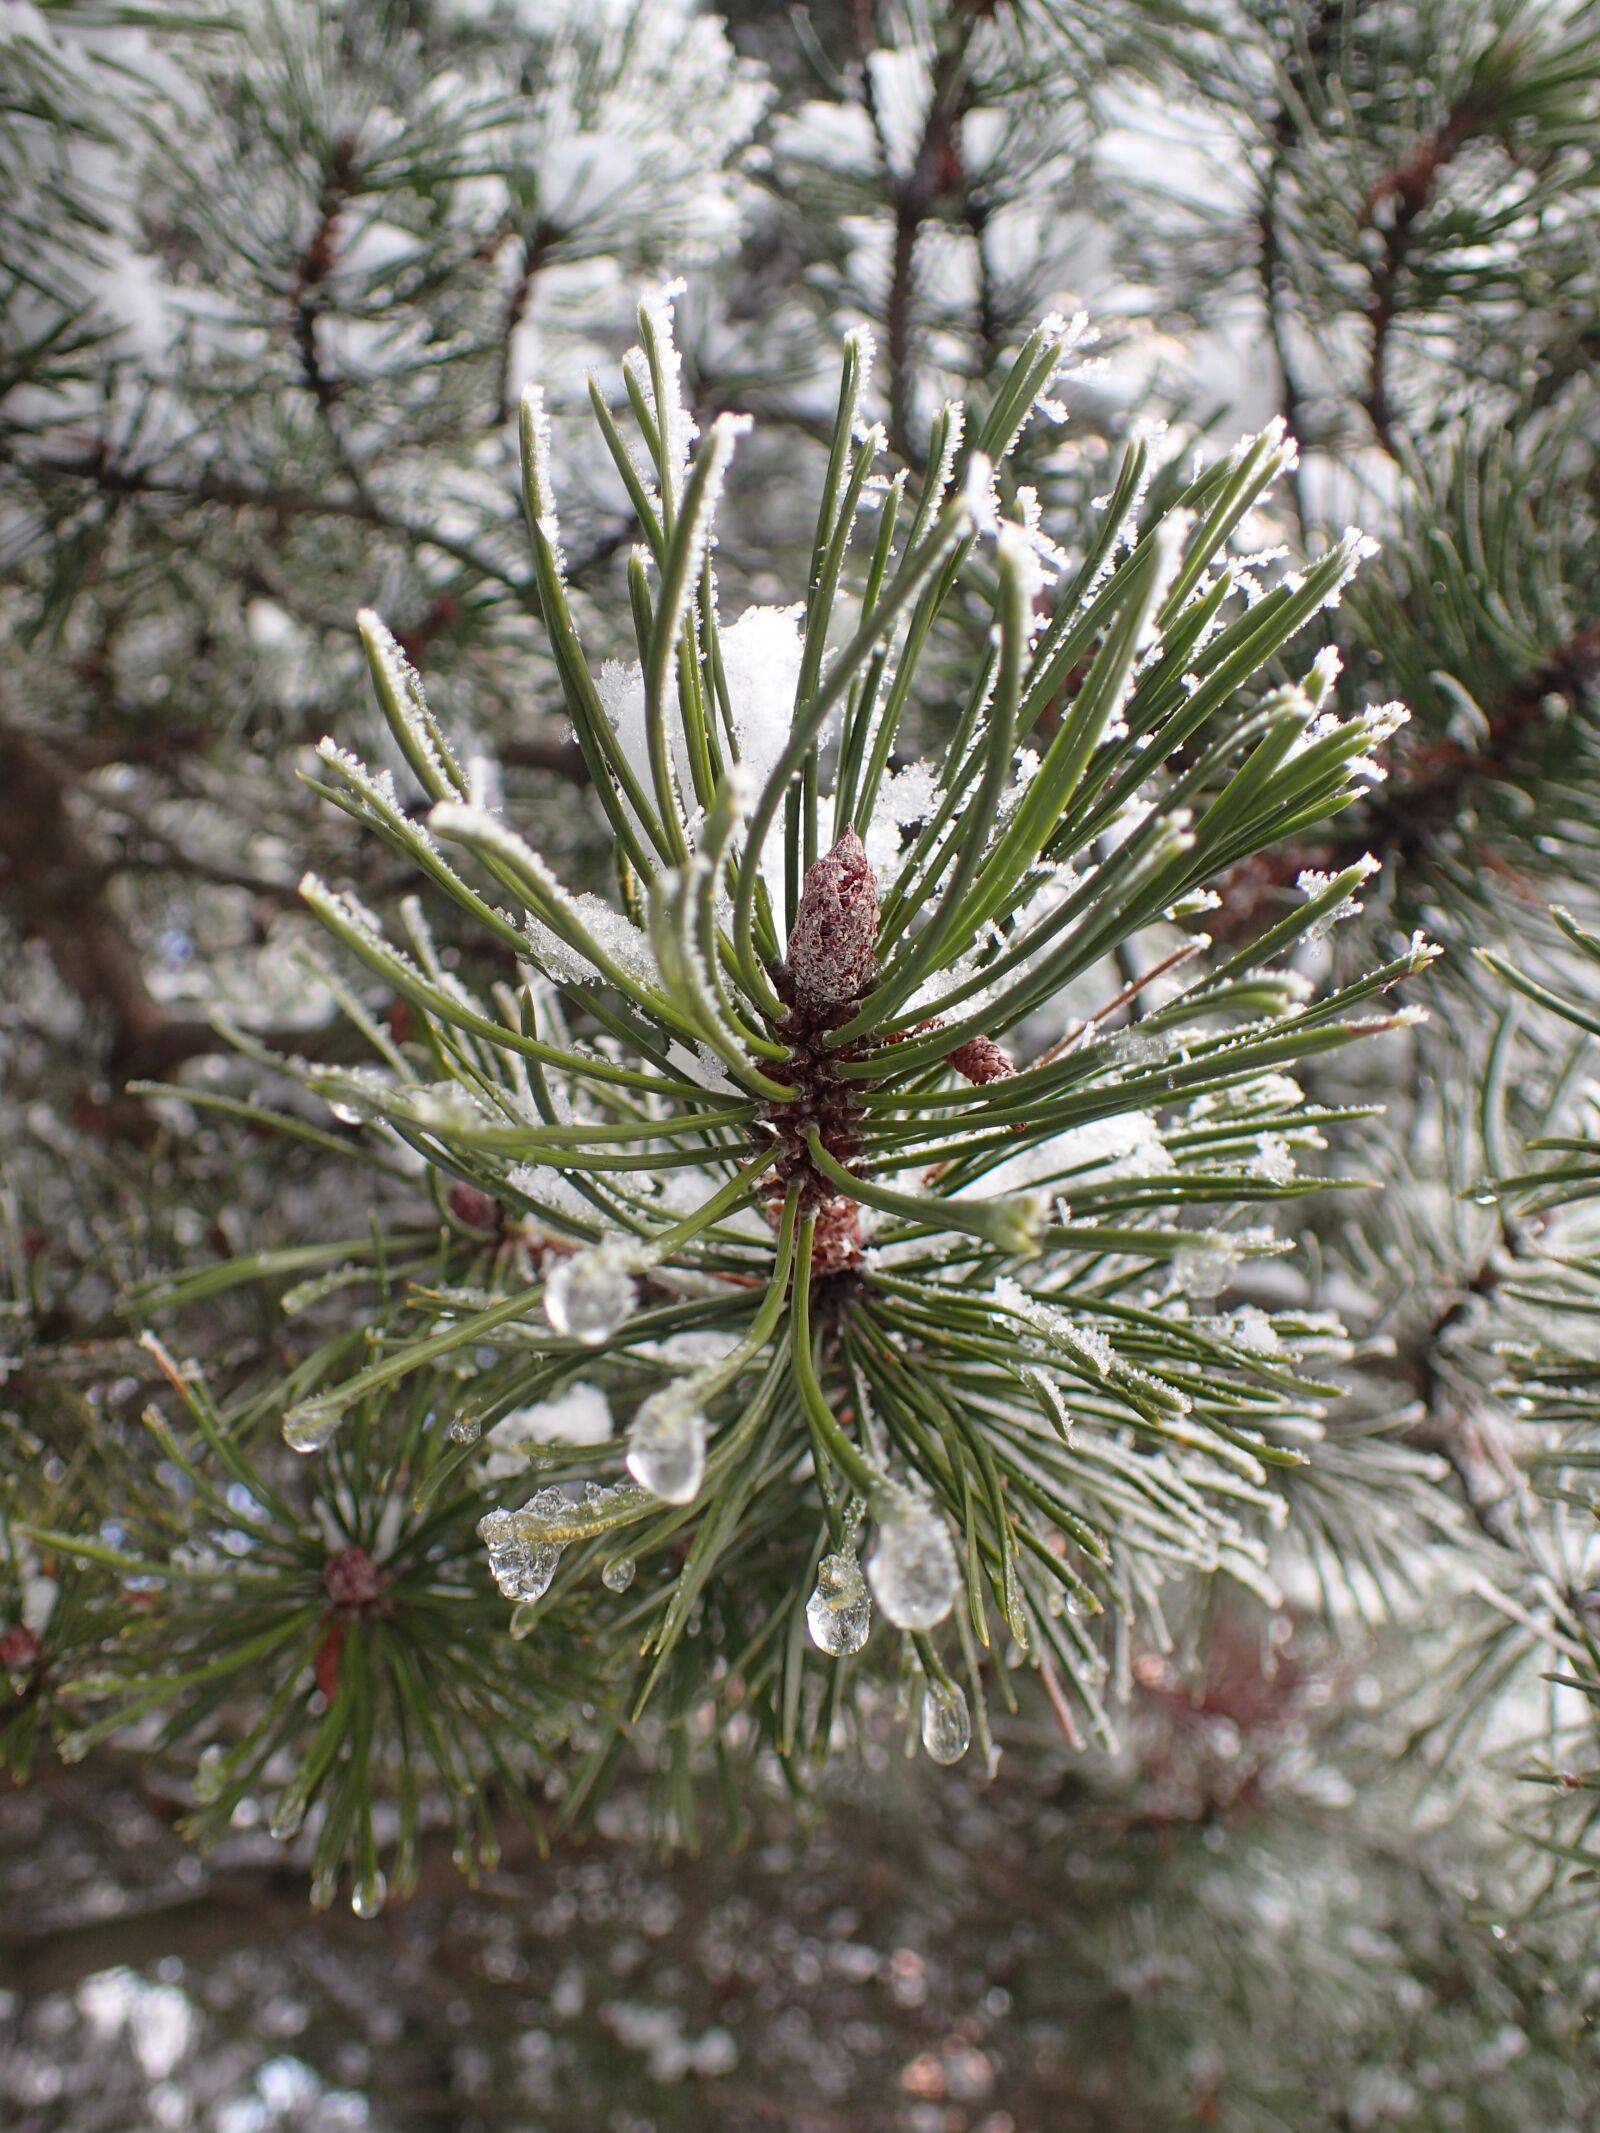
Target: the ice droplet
(946, 1722)
(520, 1563)
(208, 1775)
(667, 1447)
(465, 1429)
(839, 1612)
(618, 1574)
(913, 1569)
(589, 1295)
(368, 1895)
(324, 1887)
(307, 1427)
(288, 1815)
(358, 1095)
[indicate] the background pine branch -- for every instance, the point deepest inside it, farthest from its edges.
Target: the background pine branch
(275, 279)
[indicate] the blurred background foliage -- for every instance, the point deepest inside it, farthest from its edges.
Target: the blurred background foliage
(273, 276)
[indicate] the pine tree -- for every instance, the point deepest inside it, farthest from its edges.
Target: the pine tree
(825, 1154)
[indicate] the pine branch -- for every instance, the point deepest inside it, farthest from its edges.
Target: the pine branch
(1461, 1429)
(1425, 796)
(1393, 208)
(57, 891)
(55, 888)
(936, 175)
(535, 250)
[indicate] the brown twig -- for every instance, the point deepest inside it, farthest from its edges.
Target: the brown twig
(54, 885)
(1403, 195)
(1461, 1434)
(936, 175)
(55, 888)
(1423, 794)
(534, 250)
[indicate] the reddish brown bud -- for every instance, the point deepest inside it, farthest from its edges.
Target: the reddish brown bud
(831, 960)
(325, 1666)
(836, 1244)
(979, 1060)
(20, 1649)
(352, 1579)
(473, 1207)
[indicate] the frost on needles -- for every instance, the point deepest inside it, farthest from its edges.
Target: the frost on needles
(885, 1153)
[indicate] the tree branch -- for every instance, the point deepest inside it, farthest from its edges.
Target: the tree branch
(534, 249)
(936, 173)
(1406, 193)
(54, 885)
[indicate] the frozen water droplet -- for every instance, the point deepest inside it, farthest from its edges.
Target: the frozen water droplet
(667, 1446)
(913, 1568)
(589, 1295)
(72, 1747)
(521, 1563)
(839, 1612)
(465, 1429)
(308, 1427)
(946, 1723)
(324, 1887)
(287, 1817)
(618, 1574)
(358, 1095)
(208, 1775)
(368, 1896)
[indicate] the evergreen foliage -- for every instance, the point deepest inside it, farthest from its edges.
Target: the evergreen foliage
(828, 1117)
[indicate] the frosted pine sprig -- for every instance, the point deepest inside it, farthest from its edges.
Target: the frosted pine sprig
(893, 1221)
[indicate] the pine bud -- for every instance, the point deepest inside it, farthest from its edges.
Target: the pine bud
(980, 1060)
(831, 960)
(352, 1579)
(20, 1650)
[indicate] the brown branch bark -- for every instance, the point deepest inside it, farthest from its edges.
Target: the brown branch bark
(936, 175)
(562, 759)
(1424, 793)
(54, 885)
(315, 264)
(534, 249)
(56, 890)
(1404, 194)
(235, 1907)
(97, 469)
(1490, 1481)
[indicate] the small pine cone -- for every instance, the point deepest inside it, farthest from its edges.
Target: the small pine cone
(979, 1060)
(831, 960)
(20, 1649)
(352, 1579)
